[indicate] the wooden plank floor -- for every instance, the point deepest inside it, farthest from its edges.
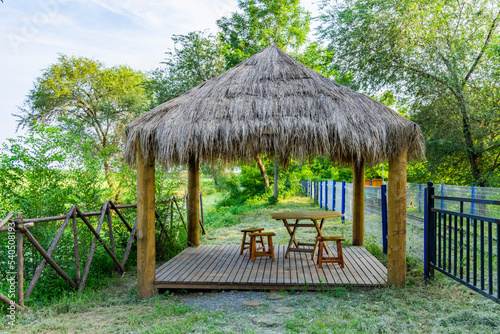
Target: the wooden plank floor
(222, 267)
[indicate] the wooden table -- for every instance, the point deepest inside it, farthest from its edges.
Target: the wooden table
(313, 216)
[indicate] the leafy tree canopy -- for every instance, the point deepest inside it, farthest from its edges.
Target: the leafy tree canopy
(84, 97)
(260, 24)
(441, 58)
(195, 58)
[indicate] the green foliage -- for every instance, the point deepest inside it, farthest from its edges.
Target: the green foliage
(216, 170)
(441, 60)
(260, 24)
(320, 59)
(46, 172)
(323, 169)
(272, 200)
(196, 58)
(87, 99)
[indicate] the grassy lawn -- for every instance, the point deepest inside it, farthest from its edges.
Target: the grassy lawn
(439, 306)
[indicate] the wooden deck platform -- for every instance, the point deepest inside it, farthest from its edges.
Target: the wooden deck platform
(222, 267)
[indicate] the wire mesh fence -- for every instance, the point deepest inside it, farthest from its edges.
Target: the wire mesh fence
(337, 196)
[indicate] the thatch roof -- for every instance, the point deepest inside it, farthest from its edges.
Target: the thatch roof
(272, 103)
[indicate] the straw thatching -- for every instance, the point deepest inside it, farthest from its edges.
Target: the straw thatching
(272, 103)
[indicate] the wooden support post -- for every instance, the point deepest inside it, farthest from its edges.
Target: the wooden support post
(20, 261)
(145, 224)
(358, 204)
(193, 214)
(396, 226)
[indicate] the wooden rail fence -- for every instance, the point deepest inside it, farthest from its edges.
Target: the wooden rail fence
(22, 226)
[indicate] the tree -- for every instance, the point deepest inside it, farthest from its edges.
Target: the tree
(437, 56)
(85, 98)
(217, 170)
(262, 170)
(260, 24)
(196, 58)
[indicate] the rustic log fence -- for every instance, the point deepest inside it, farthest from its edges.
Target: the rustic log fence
(22, 226)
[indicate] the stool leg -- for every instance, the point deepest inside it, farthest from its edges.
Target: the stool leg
(262, 243)
(339, 251)
(252, 248)
(243, 242)
(271, 248)
(316, 245)
(319, 252)
(320, 255)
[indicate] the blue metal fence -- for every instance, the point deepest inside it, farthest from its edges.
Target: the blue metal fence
(337, 196)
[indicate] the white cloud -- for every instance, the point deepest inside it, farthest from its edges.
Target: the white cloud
(136, 33)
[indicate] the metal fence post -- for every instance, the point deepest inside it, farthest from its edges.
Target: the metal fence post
(326, 195)
(334, 194)
(473, 205)
(442, 194)
(429, 232)
(314, 191)
(320, 194)
(343, 201)
(383, 198)
(419, 197)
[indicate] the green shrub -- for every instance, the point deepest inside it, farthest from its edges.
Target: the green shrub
(272, 200)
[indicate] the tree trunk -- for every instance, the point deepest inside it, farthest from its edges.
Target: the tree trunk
(473, 155)
(262, 171)
(276, 170)
(107, 175)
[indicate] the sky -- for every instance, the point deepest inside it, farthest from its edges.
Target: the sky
(116, 32)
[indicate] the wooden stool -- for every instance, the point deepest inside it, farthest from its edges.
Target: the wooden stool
(253, 247)
(246, 245)
(333, 259)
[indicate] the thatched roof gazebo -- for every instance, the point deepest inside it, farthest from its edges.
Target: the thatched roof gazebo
(272, 103)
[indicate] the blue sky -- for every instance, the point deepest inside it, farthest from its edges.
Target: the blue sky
(116, 32)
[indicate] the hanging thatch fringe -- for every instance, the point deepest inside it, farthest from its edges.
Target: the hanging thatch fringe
(272, 103)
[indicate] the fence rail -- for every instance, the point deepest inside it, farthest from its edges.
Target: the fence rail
(22, 226)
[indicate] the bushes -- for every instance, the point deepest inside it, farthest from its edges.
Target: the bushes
(43, 174)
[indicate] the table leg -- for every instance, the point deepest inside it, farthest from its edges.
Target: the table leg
(290, 231)
(321, 231)
(292, 239)
(319, 228)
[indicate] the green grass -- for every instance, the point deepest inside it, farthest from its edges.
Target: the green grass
(437, 306)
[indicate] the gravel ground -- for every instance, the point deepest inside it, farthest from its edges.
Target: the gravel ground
(233, 316)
